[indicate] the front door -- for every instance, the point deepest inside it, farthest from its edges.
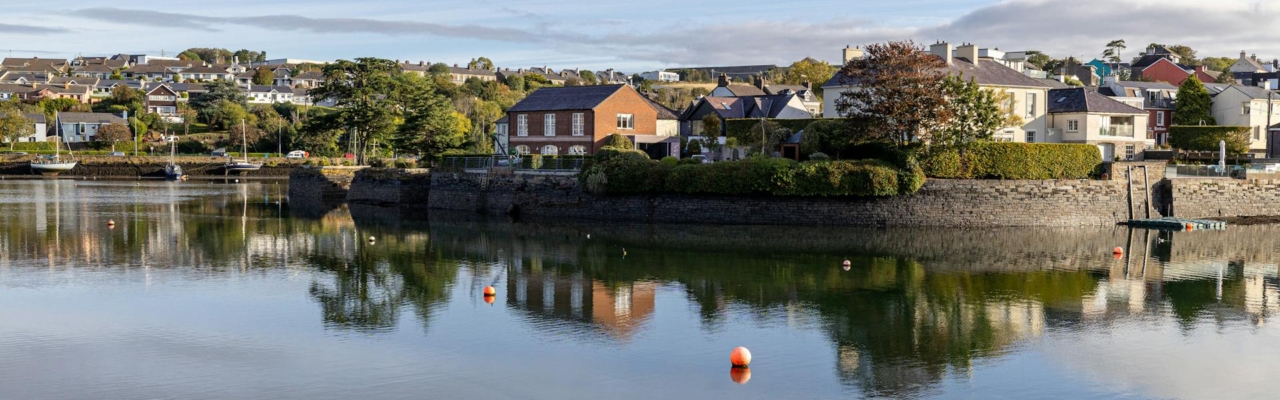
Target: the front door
(1108, 152)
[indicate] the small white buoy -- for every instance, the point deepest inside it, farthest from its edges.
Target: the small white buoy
(588, 236)
(371, 240)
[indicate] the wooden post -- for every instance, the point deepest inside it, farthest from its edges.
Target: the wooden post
(1128, 177)
(1146, 188)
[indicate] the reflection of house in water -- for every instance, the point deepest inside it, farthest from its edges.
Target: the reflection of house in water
(618, 310)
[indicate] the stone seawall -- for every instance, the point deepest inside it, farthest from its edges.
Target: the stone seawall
(390, 187)
(953, 203)
(321, 185)
(1224, 197)
(148, 167)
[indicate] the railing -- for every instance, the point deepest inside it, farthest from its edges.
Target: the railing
(519, 163)
(1117, 130)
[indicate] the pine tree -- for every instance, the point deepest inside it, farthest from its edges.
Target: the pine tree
(1193, 105)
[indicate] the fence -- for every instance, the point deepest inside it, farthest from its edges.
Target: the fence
(519, 163)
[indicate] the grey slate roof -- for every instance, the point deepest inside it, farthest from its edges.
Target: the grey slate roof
(89, 118)
(37, 118)
(1053, 83)
(744, 90)
(1255, 92)
(663, 111)
(1147, 85)
(566, 98)
(1075, 100)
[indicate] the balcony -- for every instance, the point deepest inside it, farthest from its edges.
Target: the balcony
(1116, 130)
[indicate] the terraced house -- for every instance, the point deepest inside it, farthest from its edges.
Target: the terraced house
(575, 120)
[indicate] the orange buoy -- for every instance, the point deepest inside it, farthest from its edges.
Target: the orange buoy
(1118, 256)
(1190, 227)
(1117, 250)
(111, 222)
(740, 357)
(490, 291)
(740, 375)
(489, 299)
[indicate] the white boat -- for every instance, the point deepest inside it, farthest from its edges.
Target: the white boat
(243, 165)
(172, 171)
(56, 165)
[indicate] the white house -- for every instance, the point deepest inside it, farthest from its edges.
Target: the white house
(661, 76)
(1080, 115)
(258, 94)
(1238, 105)
(40, 129)
(77, 127)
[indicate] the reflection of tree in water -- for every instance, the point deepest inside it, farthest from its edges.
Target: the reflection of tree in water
(369, 288)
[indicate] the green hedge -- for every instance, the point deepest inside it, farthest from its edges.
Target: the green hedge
(1206, 138)
(29, 146)
(753, 176)
(991, 160)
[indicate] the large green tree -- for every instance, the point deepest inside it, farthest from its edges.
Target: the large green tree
(431, 126)
(1194, 104)
(976, 113)
(1113, 49)
(13, 124)
(263, 76)
(206, 104)
(369, 99)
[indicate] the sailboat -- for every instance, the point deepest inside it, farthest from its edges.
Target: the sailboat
(243, 165)
(54, 166)
(172, 171)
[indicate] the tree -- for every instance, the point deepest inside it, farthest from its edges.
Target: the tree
(588, 77)
(263, 76)
(1112, 52)
(13, 124)
(977, 113)
(1225, 78)
(1186, 53)
(230, 114)
(1038, 58)
(1074, 81)
(124, 95)
(824, 136)
(217, 93)
(372, 95)
(1193, 104)
(431, 126)
(481, 63)
(112, 133)
(809, 71)
(1218, 63)
(900, 93)
(188, 116)
(116, 75)
(710, 125)
(188, 56)
(438, 69)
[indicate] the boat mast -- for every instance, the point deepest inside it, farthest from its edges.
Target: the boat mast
(244, 145)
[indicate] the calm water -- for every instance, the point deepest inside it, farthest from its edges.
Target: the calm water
(206, 290)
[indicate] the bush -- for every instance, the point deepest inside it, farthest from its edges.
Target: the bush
(753, 176)
(607, 153)
(618, 141)
(192, 147)
(30, 146)
(819, 156)
(1206, 138)
(669, 161)
(378, 163)
(992, 160)
(406, 163)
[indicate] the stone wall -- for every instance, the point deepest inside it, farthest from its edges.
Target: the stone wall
(1224, 197)
(392, 186)
(321, 184)
(958, 203)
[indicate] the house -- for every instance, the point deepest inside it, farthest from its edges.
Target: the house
(661, 76)
(1157, 98)
(259, 94)
(553, 78)
(726, 88)
(419, 69)
(104, 87)
(202, 73)
(79, 93)
(802, 91)
(1085, 73)
(611, 77)
(1164, 70)
(1082, 115)
(39, 129)
(461, 75)
(1028, 94)
(24, 78)
(163, 100)
(783, 106)
(149, 72)
(308, 79)
(576, 119)
(9, 91)
(78, 127)
(100, 71)
(1254, 107)
(668, 119)
(1244, 69)
(34, 64)
(73, 80)
(741, 73)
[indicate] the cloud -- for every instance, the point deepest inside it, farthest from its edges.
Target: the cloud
(1057, 27)
(30, 30)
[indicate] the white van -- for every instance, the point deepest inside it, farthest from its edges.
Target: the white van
(297, 154)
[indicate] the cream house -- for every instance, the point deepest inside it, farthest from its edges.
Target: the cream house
(1238, 105)
(1028, 95)
(1082, 115)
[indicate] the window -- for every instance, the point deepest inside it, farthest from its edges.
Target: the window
(1073, 126)
(1244, 110)
(1010, 108)
(626, 121)
(577, 127)
(577, 150)
(549, 125)
(1031, 105)
(1257, 134)
(1128, 152)
(1159, 118)
(522, 149)
(1031, 136)
(550, 150)
(522, 125)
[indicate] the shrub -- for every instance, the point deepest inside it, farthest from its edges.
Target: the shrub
(30, 146)
(378, 163)
(669, 161)
(609, 152)
(819, 156)
(1206, 138)
(406, 163)
(992, 160)
(619, 141)
(754, 176)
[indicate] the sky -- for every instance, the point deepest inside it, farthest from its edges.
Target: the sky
(627, 36)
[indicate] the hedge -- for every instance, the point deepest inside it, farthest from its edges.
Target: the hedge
(992, 160)
(753, 176)
(29, 146)
(1206, 138)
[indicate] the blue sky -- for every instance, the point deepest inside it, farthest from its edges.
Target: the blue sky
(630, 36)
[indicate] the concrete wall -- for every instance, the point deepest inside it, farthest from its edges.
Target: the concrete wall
(152, 167)
(955, 203)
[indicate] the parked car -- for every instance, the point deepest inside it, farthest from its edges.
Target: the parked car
(116, 154)
(219, 152)
(297, 154)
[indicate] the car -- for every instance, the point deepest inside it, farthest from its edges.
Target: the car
(297, 154)
(116, 154)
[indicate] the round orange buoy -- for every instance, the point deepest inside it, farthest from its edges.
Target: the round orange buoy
(1190, 227)
(740, 375)
(1118, 256)
(489, 299)
(111, 222)
(740, 357)
(1117, 250)
(490, 291)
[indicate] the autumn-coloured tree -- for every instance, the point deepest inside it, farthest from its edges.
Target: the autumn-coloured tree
(263, 76)
(112, 133)
(898, 93)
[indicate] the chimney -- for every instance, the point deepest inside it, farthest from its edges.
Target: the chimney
(1254, 57)
(1243, 54)
(421, 63)
(851, 53)
(969, 52)
(723, 81)
(758, 81)
(807, 85)
(942, 50)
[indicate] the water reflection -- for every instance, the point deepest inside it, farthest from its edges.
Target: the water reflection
(917, 311)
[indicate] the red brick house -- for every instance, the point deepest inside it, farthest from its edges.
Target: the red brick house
(575, 120)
